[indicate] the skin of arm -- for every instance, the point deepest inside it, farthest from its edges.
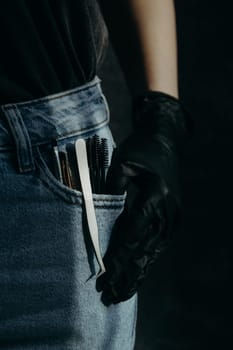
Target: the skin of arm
(143, 35)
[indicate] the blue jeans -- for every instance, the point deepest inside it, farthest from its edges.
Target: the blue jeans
(48, 268)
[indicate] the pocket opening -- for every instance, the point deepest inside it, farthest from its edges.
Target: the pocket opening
(44, 172)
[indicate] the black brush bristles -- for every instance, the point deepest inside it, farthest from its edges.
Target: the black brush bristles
(105, 154)
(105, 162)
(97, 161)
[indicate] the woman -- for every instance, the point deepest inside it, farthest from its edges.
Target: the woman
(51, 295)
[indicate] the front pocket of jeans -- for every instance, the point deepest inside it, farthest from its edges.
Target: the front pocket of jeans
(44, 171)
(107, 208)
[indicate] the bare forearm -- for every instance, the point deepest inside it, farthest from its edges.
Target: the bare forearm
(143, 33)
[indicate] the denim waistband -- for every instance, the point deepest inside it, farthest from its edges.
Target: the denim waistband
(30, 123)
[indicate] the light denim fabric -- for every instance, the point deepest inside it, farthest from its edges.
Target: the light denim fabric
(48, 268)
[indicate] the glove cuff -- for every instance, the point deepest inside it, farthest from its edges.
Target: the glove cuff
(162, 103)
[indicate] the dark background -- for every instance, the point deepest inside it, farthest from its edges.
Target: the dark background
(185, 302)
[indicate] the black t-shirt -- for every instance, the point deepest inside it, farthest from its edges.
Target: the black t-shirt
(48, 46)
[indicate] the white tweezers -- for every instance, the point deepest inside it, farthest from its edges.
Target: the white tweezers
(81, 154)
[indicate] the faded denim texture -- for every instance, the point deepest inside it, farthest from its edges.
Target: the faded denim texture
(48, 269)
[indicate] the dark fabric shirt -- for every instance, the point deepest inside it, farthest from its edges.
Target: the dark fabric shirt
(48, 46)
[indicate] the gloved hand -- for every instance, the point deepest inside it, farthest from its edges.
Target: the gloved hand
(149, 158)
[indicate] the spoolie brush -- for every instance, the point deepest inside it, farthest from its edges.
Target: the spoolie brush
(97, 161)
(104, 163)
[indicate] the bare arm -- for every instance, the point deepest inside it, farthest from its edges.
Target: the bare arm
(143, 34)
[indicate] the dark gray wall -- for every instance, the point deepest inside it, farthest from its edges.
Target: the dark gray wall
(185, 302)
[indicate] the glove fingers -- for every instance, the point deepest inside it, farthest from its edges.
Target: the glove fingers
(124, 258)
(137, 239)
(123, 288)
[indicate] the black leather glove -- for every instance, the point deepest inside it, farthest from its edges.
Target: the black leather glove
(149, 158)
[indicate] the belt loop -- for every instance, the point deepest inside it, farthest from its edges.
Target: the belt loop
(21, 138)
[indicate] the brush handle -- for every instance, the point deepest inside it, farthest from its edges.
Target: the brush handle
(81, 154)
